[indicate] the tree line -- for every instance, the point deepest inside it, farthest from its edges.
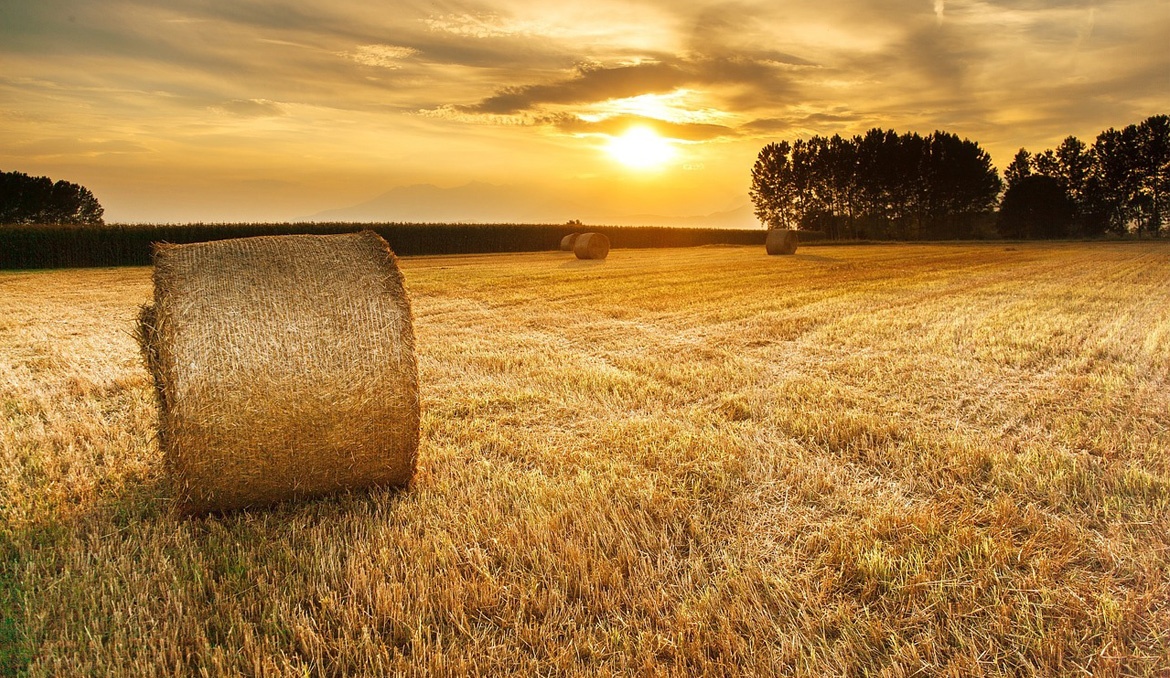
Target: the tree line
(886, 185)
(1118, 184)
(65, 245)
(878, 185)
(39, 200)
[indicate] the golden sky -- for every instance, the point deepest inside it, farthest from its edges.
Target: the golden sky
(221, 110)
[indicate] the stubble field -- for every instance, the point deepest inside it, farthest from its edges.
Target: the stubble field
(887, 460)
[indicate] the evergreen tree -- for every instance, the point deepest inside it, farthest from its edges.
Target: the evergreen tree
(772, 191)
(1020, 167)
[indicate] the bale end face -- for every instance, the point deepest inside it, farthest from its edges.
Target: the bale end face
(781, 241)
(591, 246)
(284, 367)
(568, 241)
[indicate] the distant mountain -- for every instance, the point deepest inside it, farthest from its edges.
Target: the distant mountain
(480, 202)
(740, 217)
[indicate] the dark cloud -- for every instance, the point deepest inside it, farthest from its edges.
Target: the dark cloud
(764, 78)
(618, 124)
(589, 84)
(826, 122)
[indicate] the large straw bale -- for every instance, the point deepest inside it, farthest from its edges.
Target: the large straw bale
(285, 368)
(568, 241)
(591, 246)
(781, 241)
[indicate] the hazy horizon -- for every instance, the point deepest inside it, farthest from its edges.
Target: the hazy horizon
(272, 111)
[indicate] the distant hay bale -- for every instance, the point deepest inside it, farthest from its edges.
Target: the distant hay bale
(781, 241)
(591, 246)
(568, 241)
(285, 368)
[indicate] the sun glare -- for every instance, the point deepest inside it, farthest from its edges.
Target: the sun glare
(641, 148)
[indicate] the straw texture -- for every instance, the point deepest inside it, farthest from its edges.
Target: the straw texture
(285, 368)
(568, 241)
(591, 246)
(781, 241)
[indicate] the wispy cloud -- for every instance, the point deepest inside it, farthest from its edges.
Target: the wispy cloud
(251, 108)
(484, 26)
(382, 56)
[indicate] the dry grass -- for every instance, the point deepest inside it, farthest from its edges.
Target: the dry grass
(886, 460)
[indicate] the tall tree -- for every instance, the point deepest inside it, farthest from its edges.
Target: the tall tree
(839, 177)
(772, 192)
(1046, 163)
(1074, 164)
(1020, 167)
(1112, 186)
(958, 180)
(1152, 171)
(878, 186)
(808, 194)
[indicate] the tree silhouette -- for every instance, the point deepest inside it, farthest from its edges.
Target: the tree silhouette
(1113, 179)
(1020, 167)
(957, 179)
(37, 200)
(772, 191)
(1151, 148)
(1119, 184)
(1035, 206)
(890, 184)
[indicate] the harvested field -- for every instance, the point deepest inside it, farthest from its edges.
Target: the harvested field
(904, 459)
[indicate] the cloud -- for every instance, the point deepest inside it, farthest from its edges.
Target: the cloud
(590, 83)
(619, 124)
(382, 56)
(482, 25)
(73, 147)
(764, 78)
(251, 108)
(802, 123)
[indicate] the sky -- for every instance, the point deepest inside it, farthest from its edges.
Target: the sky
(249, 110)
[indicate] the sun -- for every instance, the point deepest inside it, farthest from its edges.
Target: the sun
(641, 148)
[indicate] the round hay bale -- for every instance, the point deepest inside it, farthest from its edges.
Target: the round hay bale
(285, 368)
(568, 241)
(591, 246)
(781, 241)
